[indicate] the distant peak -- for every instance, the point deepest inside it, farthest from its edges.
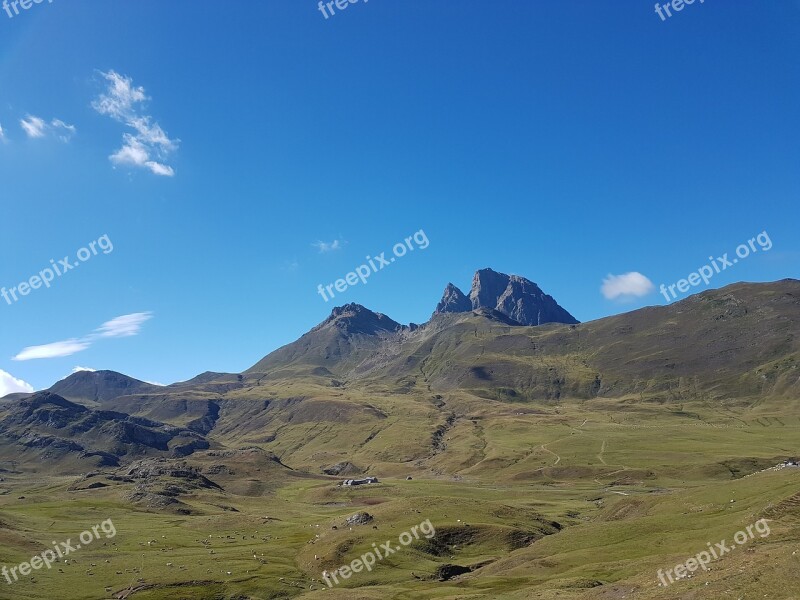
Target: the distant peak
(355, 318)
(453, 300)
(516, 297)
(349, 310)
(98, 386)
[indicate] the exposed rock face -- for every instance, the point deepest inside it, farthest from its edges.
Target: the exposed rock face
(516, 297)
(519, 299)
(453, 300)
(487, 287)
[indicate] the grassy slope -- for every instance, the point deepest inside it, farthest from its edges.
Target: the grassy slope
(668, 514)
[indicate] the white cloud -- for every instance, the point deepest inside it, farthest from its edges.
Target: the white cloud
(54, 350)
(33, 126)
(627, 286)
(2, 134)
(124, 326)
(160, 169)
(324, 247)
(120, 98)
(131, 153)
(11, 385)
(135, 154)
(36, 127)
(78, 369)
(63, 131)
(122, 102)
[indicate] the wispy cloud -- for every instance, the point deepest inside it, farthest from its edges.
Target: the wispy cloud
(123, 326)
(149, 146)
(2, 134)
(11, 385)
(324, 247)
(61, 130)
(290, 265)
(33, 126)
(54, 350)
(36, 127)
(626, 287)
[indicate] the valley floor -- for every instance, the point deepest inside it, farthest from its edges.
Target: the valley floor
(568, 504)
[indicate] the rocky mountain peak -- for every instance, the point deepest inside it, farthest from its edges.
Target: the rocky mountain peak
(453, 300)
(511, 295)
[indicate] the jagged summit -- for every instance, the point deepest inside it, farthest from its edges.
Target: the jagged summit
(511, 295)
(453, 300)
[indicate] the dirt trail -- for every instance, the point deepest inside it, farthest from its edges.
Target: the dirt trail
(600, 456)
(558, 458)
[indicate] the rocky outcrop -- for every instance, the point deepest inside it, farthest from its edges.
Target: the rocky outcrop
(361, 518)
(342, 468)
(453, 301)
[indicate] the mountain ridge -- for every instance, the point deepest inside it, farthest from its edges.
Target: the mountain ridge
(355, 342)
(358, 375)
(512, 295)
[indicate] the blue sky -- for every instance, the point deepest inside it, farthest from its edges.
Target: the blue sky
(563, 141)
